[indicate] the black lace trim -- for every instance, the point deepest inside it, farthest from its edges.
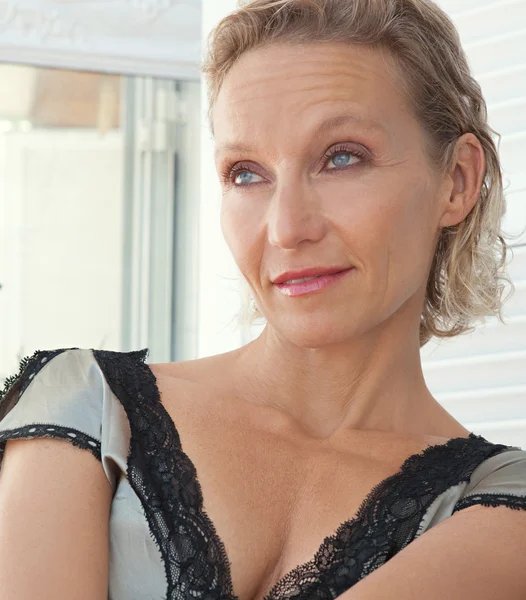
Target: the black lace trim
(165, 481)
(490, 499)
(28, 369)
(50, 430)
(387, 520)
(195, 559)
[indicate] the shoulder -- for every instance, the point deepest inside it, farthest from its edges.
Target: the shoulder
(198, 370)
(56, 393)
(75, 394)
(498, 480)
(479, 542)
(63, 385)
(63, 361)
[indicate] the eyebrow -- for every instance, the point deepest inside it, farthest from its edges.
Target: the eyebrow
(323, 128)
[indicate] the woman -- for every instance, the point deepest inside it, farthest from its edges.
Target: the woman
(297, 465)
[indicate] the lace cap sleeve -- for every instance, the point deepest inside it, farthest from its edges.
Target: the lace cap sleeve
(499, 480)
(55, 394)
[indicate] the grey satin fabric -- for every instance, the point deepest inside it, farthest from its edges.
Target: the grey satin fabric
(504, 473)
(72, 392)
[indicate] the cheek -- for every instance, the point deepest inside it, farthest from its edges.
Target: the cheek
(387, 226)
(239, 227)
(231, 224)
(405, 226)
(367, 216)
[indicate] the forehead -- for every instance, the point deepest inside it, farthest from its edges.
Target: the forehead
(283, 87)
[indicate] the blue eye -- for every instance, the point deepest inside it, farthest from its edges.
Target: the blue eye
(240, 170)
(229, 175)
(342, 151)
(340, 154)
(241, 173)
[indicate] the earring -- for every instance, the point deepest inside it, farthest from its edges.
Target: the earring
(253, 305)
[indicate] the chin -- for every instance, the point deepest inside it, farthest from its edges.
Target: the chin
(309, 332)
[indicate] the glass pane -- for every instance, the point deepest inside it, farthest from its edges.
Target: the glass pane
(74, 174)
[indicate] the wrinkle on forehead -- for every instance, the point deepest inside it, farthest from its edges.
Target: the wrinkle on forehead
(317, 67)
(282, 87)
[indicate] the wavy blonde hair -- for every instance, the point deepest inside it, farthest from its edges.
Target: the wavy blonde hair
(468, 272)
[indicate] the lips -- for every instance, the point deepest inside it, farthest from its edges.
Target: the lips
(309, 272)
(312, 285)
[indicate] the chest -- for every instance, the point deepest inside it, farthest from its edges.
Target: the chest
(272, 499)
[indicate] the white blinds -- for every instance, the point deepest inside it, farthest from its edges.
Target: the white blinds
(481, 378)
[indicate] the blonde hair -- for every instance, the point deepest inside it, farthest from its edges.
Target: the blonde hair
(465, 282)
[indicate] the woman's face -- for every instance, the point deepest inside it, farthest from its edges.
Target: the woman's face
(329, 170)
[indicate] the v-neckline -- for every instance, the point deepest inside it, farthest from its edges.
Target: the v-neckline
(414, 460)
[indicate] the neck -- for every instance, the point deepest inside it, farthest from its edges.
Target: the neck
(328, 390)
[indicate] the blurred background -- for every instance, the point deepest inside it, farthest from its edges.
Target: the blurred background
(109, 199)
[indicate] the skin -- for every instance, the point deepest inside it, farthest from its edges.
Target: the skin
(347, 358)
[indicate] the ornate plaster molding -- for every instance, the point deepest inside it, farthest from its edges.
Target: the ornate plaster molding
(143, 37)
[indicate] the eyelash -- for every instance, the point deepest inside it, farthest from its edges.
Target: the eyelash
(228, 173)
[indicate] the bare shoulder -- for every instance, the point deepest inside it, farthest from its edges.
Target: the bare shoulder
(198, 393)
(455, 432)
(197, 370)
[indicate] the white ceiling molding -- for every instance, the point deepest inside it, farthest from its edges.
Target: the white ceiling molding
(138, 37)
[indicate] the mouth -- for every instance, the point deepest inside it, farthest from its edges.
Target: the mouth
(308, 273)
(307, 285)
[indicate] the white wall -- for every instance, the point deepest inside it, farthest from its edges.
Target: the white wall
(480, 378)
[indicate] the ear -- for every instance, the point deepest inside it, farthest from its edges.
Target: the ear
(467, 174)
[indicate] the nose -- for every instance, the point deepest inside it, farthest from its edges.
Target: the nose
(295, 214)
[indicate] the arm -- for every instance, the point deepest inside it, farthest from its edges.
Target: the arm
(54, 518)
(478, 552)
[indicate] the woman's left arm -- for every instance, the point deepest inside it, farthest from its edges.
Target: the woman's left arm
(479, 552)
